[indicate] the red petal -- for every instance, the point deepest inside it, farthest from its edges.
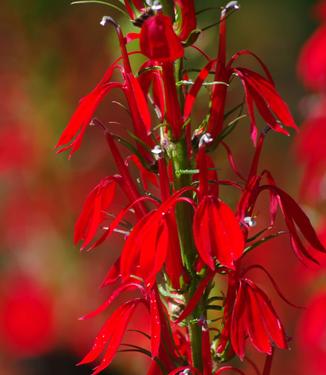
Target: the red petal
(271, 322)
(191, 96)
(93, 212)
(84, 112)
(268, 94)
(238, 323)
(112, 333)
(155, 323)
(173, 262)
(158, 40)
(256, 328)
(142, 107)
(228, 368)
(201, 229)
(187, 18)
(119, 321)
(225, 234)
(113, 274)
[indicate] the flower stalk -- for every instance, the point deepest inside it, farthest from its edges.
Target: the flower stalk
(180, 236)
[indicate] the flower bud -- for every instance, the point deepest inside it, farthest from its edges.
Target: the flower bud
(158, 40)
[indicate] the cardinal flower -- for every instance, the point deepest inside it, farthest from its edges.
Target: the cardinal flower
(111, 334)
(248, 313)
(95, 210)
(259, 91)
(312, 61)
(217, 232)
(187, 21)
(160, 44)
(158, 41)
(73, 134)
(152, 243)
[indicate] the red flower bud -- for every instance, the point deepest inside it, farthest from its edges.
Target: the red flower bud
(158, 40)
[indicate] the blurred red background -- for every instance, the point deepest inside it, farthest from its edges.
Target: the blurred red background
(53, 54)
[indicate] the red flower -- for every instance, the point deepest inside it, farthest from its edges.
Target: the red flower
(26, 317)
(94, 211)
(158, 40)
(187, 22)
(72, 136)
(258, 90)
(250, 314)
(311, 151)
(153, 242)
(111, 334)
(311, 333)
(217, 233)
(312, 61)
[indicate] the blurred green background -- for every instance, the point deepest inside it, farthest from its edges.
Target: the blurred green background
(53, 53)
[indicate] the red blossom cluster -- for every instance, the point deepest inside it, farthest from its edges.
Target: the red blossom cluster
(182, 240)
(311, 144)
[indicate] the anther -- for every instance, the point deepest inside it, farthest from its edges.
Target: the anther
(106, 20)
(249, 221)
(205, 139)
(232, 5)
(157, 152)
(154, 4)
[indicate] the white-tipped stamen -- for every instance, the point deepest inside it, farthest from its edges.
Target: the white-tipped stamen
(205, 139)
(251, 222)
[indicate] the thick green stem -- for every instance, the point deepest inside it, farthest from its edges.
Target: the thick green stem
(184, 215)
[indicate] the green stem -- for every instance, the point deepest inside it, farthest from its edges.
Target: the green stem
(184, 216)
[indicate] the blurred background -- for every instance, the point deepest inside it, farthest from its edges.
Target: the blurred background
(53, 53)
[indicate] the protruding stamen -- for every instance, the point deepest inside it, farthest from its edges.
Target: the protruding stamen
(154, 4)
(231, 5)
(205, 139)
(106, 19)
(251, 222)
(157, 152)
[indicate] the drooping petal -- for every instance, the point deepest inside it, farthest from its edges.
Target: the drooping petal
(155, 323)
(139, 98)
(72, 135)
(296, 218)
(111, 334)
(150, 75)
(256, 329)
(193, 92)
(267, 99)
(112, 275)
(239, 319)
(173, 262)
(93, 213)
(217, 233)
(187, 22)
(147, 177)
(271, 321)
